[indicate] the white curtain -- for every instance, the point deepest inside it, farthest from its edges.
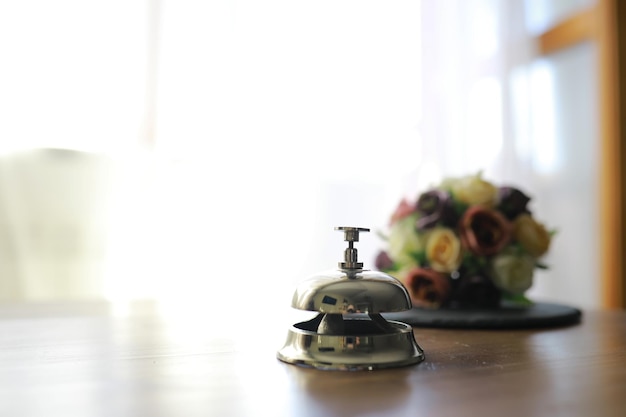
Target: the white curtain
(471, 50)
(267, 124)
(275, 122)
(72, 106)
(223, 140)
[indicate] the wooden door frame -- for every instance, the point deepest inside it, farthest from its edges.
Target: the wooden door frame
(605, 25)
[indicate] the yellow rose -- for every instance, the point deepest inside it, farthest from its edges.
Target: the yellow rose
(533, 236)
(512, 273)
(474, 190)
(443, 250)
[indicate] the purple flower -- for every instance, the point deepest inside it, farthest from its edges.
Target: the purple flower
(383, 262)
(512, 202)
(435, 207)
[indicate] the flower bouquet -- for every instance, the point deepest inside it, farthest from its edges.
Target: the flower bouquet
(466, 243)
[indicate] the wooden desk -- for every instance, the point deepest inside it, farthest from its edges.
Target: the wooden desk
(89, 360)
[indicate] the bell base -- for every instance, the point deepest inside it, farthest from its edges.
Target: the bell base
(352, 351)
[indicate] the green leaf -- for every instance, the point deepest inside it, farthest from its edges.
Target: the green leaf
(420, 257)
(517, 299)
(473, 263)
(516, 248)
(459, 207)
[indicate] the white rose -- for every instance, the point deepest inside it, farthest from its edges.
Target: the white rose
(512, 273)
(404, 242)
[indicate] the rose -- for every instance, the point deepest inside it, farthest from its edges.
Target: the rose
(404, 242)
(512, 202)
(403, 210)
(443, 250)
(533, 236)
(403, 271)
(427, 288)
(434, 207)
(484, 231)
(473, 190)
(512, 273)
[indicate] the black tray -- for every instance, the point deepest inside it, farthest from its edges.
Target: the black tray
(506, 317)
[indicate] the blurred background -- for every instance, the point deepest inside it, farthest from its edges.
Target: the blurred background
(203, 151)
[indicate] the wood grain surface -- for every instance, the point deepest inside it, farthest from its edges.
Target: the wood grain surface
(88, 359)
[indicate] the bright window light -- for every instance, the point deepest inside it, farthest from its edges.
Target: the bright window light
(275, 122)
